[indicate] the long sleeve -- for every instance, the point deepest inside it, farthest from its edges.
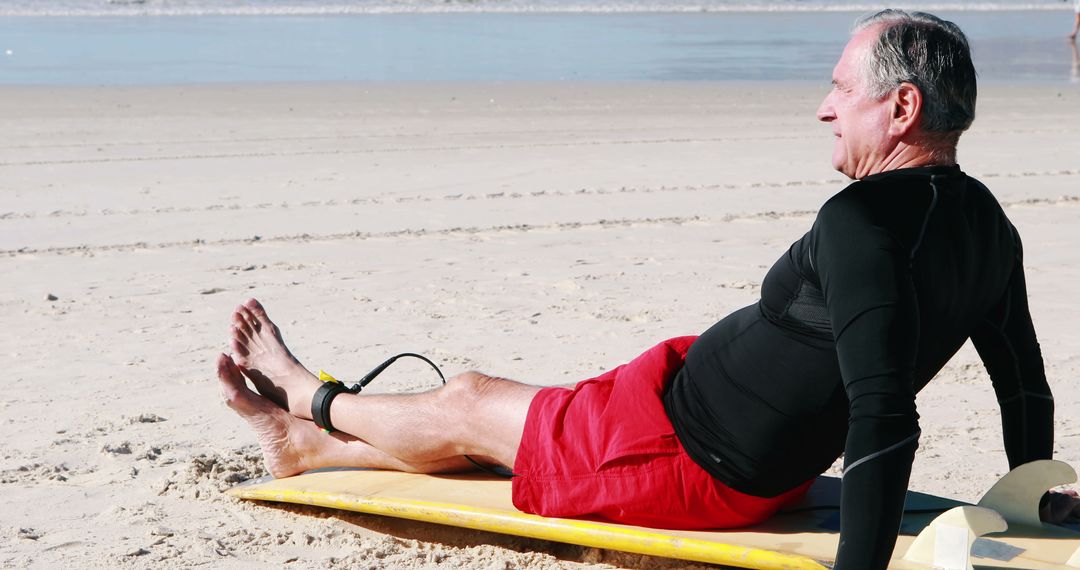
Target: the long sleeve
(1006, 342)
(870, 298)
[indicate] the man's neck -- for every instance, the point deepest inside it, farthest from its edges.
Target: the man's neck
(912, 156)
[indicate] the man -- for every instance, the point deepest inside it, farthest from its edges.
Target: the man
(898, 271)
(1076, 23)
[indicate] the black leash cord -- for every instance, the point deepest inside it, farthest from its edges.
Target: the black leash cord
(379, 370)
(798, 510)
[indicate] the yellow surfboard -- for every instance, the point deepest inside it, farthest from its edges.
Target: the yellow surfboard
(803, 538)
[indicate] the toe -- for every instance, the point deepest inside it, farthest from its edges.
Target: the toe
(233, 388)
(256, 307)
(238, 347)
(230, 377)
(241, 334)
(252, 321)
(258, 313)
(240, 323)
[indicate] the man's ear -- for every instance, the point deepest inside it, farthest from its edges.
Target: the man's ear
(907, 109)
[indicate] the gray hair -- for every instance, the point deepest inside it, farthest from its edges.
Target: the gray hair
(933, 55)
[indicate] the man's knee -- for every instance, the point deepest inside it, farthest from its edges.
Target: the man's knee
(490, 411)
(464, 391)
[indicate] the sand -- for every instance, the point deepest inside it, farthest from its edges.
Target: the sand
(543, 232)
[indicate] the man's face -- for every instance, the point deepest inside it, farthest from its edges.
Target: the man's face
(859, 122)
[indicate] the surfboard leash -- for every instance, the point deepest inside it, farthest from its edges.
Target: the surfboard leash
(799, 510)
(331, 387)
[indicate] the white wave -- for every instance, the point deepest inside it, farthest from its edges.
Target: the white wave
(98, 8)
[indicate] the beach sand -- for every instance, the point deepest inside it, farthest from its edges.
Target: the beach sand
(543, 232)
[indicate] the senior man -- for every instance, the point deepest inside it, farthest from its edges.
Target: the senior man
(898, 271)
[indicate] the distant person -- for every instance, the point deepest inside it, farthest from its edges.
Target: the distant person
(1076, 24)
(899, 270)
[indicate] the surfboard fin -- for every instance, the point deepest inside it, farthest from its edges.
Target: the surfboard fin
(1074, 560)
(1016, 495)
(946, 542)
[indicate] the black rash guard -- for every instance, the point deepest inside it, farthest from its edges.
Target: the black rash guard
(898, 271)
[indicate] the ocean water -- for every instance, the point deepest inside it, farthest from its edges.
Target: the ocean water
(331, 7)
(131, 42)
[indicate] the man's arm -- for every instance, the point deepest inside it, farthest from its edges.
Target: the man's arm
(1005, 340)
(865, 275)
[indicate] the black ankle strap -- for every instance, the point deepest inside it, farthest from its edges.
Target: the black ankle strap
(320, 403)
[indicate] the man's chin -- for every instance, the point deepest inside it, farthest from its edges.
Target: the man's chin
(844, 169)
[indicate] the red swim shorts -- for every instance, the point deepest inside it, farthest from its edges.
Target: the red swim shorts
(606, 449)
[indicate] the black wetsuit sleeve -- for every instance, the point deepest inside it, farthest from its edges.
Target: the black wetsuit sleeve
(1006, 342)
(870, 298)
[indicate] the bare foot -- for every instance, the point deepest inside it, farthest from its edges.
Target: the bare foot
(289, 445)
(263, 357)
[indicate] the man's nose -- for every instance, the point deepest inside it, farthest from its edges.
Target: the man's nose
(825, 112)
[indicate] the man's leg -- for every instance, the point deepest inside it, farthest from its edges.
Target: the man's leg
(473, 414)
(1076, 27)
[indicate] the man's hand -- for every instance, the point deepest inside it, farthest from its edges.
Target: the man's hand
(1060, 507)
